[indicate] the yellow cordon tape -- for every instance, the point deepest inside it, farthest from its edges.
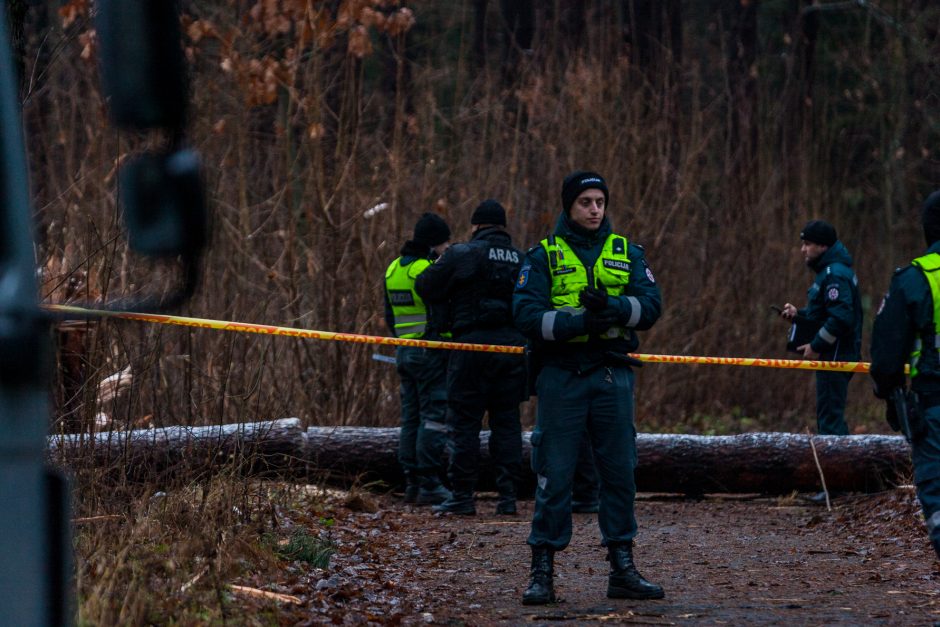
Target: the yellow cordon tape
(266, 329)
(759, 362)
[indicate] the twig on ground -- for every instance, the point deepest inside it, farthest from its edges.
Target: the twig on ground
(822, 476)
(91, 519)
(189, 584)
(264, 594)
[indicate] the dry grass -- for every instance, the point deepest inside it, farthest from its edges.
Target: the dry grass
(176, 552)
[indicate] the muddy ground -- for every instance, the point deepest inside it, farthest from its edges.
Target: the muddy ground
(722, 560)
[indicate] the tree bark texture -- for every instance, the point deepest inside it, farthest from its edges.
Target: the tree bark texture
(767, 463)
(274, 448)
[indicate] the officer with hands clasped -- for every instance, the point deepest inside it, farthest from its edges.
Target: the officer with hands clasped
(476, 280)
(907, 331)
(835, 309)
(582, 294)
(422, 371)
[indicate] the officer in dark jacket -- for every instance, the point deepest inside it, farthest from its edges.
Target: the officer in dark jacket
(834, 306)
(476, 281)
(422, 371)
(582, 294)
(907, 331)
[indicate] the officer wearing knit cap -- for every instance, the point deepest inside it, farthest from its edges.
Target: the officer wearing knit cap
(835, 308)
(585, 488)
(905, 334)
(577, 182)
(475, 281)
(819, 232)
(582, 295)
(431, 230)
(489, 212)
(422, 371)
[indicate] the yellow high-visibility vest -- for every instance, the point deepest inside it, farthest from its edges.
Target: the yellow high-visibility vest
(409, 311)
(569, 276)
(930, 266)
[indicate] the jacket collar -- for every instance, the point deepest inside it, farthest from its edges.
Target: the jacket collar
(492, 234)
(574, 235)
(412, 248)
(933, 248)
(837, 253)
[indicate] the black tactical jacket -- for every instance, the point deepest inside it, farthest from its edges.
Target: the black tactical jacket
(476, 280)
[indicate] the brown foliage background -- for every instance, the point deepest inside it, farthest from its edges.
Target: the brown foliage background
(309, 113)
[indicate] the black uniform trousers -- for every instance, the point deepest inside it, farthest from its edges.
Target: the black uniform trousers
(478, 383)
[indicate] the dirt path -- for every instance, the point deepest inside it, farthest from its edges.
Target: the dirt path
(727, 560)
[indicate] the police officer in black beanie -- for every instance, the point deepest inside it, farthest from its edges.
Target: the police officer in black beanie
(906, 333)
(476, 281)
(422, 371)
(583, 294)
(835, 308)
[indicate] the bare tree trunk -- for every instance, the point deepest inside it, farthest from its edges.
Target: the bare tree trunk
(518, 17)
(741, 19)
(16, 17)
(653, 30)
(72, 372)
(479, 33)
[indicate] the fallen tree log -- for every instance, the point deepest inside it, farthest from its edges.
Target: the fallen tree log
(768, 463)
(276, 447)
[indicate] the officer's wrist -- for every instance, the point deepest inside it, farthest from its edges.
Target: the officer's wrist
(581, 324)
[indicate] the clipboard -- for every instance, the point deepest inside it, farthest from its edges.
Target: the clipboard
(802, 331)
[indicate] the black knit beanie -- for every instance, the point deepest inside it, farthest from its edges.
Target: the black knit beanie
(819, 232)
(431, 230)
(489, 212)
(577, 182)
(930, 218)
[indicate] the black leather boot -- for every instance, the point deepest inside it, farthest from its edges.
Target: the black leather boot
(507, 508)
(625, 581)
(411, 488)
(460, 502)
(541, 588)
(507, 504)
(432, 491)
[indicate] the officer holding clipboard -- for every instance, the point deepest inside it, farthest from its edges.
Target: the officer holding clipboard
(829, 328)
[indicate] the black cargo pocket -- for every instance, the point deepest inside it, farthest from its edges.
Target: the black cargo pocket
(536, 462)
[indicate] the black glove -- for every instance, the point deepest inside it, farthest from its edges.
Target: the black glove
(593, 299)
(891, 415)
(598, 323)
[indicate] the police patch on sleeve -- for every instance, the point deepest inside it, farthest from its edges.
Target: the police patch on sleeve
(833, 293)
(523, 276)
(649, 272)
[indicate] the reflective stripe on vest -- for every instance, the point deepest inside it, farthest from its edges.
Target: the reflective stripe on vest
(409, 311)
(929, 265)
(569, 276)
